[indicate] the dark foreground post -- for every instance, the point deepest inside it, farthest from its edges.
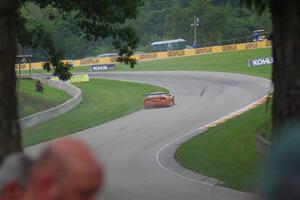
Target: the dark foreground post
(9, 127)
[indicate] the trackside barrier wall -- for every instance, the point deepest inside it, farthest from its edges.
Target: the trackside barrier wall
(161, 55)
(46, 115)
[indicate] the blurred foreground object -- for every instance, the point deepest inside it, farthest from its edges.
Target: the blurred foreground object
(14, 176)
(66, 170)
(282, 176)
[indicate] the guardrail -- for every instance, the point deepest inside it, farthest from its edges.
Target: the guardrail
(46, 115)
(238, 40)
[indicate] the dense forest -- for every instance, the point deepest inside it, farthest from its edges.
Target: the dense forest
(219, 21)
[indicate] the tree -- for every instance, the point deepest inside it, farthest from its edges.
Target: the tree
(96, 19)
(157, 20)
(100, 18)
(214, 24)
(286, 67)
(179, 26)
(9, 127)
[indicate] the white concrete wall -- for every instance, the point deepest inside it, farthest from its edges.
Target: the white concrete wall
(46, 115)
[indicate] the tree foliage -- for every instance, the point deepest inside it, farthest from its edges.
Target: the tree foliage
(259, 5)
(219, 20)
(157, 20)
(94, 20)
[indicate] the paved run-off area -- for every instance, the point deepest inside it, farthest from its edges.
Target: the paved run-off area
(128, 146)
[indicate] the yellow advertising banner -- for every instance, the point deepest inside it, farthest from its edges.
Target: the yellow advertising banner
(202, 51)
(75, 79)
(161, 55)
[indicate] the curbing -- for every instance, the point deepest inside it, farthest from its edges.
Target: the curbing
(165, 157)
(47, 115)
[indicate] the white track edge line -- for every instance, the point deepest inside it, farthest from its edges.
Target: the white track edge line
(196, 130)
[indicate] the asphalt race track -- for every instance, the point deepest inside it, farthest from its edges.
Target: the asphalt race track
(128, 146)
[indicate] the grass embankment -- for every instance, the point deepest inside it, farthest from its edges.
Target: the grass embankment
(227, 152)
(234, 62)
(30, 101)
(103, 101)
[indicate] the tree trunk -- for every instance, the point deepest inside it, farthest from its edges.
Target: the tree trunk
(286, 68)
(9, 127)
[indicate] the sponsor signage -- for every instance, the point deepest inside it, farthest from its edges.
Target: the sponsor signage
(89, 61)
(100, 63)
(260, 62)
(103, 67)
(229, 48)
(148, 56)
(75, 79)
(204, 50)
(252, 45)
(114, 59)
(176, 53)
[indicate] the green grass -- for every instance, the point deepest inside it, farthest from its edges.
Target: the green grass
(227, 152)
(30, 101)
(265, 129)
(234, 62)
(103, 101)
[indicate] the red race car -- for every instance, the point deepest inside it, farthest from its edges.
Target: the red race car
(158, 99)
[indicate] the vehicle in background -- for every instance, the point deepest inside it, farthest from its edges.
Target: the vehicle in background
(168, 45)
(105, 55)
(158, 99)
(259, 35)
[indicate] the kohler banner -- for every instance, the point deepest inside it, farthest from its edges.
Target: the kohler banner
(260, 62)
(102, 67)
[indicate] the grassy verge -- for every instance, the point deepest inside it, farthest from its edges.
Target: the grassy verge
(227, 152)
(30, 101)
(234, 62)
(265, 129)
(103, 101)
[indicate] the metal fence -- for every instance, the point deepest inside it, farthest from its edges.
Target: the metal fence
(245, 39)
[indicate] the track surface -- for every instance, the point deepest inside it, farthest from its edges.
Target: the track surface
(128, 146)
